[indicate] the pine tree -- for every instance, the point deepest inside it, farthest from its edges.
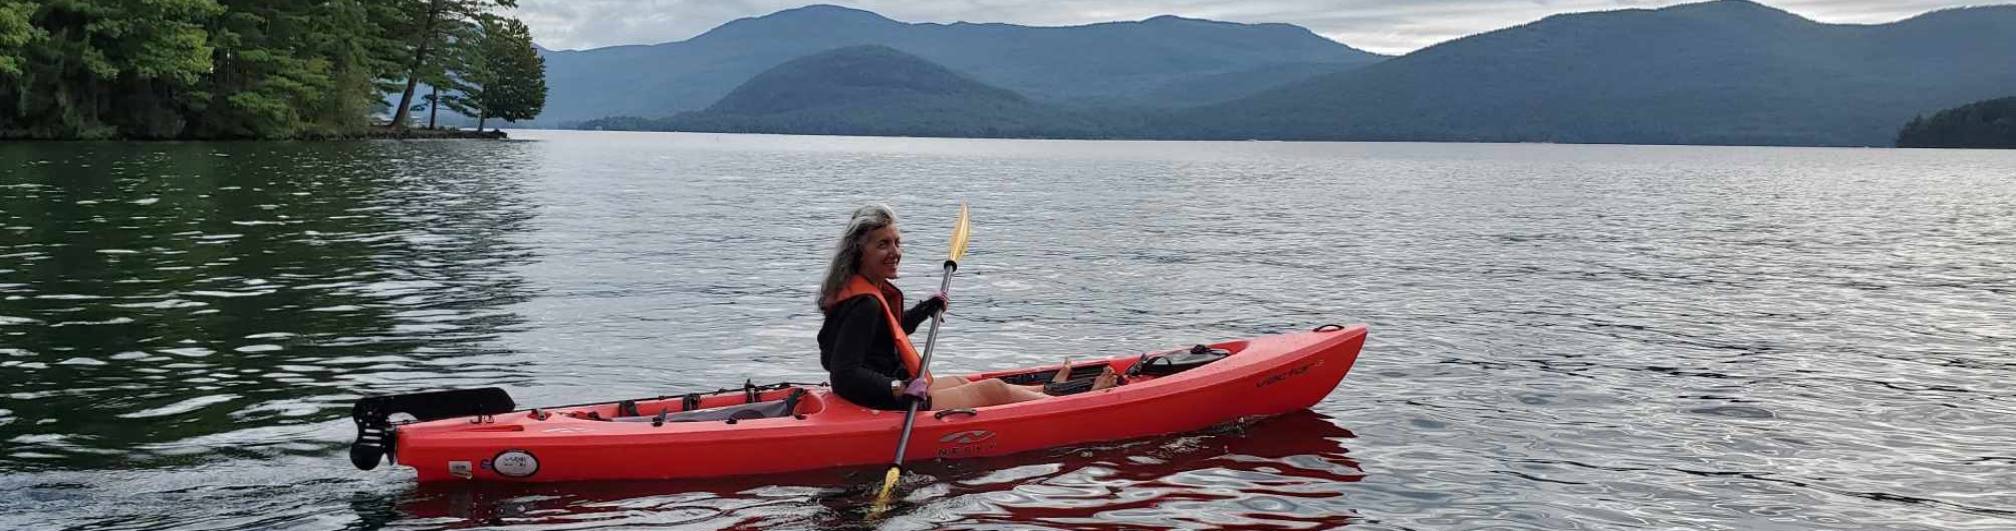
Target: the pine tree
(437, 27)
(507, 78)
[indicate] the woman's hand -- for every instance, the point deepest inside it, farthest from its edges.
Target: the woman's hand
(919, 390)
(938, 300)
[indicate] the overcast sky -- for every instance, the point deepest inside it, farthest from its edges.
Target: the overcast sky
(1384, 26)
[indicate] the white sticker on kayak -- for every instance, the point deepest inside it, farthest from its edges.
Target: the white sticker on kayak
(515, 464)
(460, 469)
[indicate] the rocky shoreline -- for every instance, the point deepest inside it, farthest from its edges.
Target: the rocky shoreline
(421, 134)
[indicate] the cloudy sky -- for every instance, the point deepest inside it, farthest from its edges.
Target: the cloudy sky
(1384, 26)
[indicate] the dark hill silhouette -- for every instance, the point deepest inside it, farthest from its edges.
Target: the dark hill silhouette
(1724, 72)
(868, 90)
(1987, 124)
(857, 76)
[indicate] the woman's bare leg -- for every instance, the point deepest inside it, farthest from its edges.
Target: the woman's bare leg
(983, 393)
(947, 382)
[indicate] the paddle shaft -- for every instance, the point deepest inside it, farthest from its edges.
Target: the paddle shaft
(924, 364)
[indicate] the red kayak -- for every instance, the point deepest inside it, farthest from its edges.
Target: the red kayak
(476, 435)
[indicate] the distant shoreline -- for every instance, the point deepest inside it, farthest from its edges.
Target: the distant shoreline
(1269, 140)
(1253, 140)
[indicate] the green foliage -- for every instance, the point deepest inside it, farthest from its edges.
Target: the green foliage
(442, 33)
(15, 36)
(220, 68)
(1986, 124)
(102, 68)
(509, 77)
(267, 69)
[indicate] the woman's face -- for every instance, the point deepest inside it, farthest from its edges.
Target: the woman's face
(884, 250)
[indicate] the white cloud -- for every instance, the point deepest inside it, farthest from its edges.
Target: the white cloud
(1386, 26)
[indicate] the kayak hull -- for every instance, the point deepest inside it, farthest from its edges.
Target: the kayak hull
(1264, 376)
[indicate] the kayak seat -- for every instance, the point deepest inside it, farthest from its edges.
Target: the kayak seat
(1175, 361)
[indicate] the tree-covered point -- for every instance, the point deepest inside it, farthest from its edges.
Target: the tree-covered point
(1986, 124)
(251, 68)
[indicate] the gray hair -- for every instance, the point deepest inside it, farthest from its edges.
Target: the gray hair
(847, 254)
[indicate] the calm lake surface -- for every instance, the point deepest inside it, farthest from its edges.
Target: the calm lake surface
(1563, 337)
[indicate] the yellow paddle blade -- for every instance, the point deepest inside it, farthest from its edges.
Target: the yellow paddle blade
(888, 485)
(960, 232)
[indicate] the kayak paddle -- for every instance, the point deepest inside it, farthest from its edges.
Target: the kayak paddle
(960, 231)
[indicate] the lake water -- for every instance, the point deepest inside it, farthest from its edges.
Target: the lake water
(1563, 337)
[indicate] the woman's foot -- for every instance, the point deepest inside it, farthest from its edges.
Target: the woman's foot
(1105, 379)
(1063, 373)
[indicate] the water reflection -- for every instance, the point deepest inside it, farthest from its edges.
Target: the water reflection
(165, 301)
(1286, 471)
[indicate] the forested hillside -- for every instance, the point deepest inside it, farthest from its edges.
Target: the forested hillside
(1722, 72)
(1987, 124)
(255, 68)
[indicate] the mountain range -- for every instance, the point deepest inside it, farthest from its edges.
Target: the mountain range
(1719, 72)
(1723, 72)
(1155, 63)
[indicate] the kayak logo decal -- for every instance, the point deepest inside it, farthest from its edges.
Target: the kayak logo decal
(1291, 373)
(967, 437)
(966, 443)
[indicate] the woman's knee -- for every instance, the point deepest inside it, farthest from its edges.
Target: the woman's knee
(947, 382)
(997, 391)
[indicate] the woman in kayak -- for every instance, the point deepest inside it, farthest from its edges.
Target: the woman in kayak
(867, 359)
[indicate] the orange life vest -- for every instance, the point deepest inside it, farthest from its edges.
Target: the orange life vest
(859, 286)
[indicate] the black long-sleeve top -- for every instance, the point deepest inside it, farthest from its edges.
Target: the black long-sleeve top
(859, 353)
